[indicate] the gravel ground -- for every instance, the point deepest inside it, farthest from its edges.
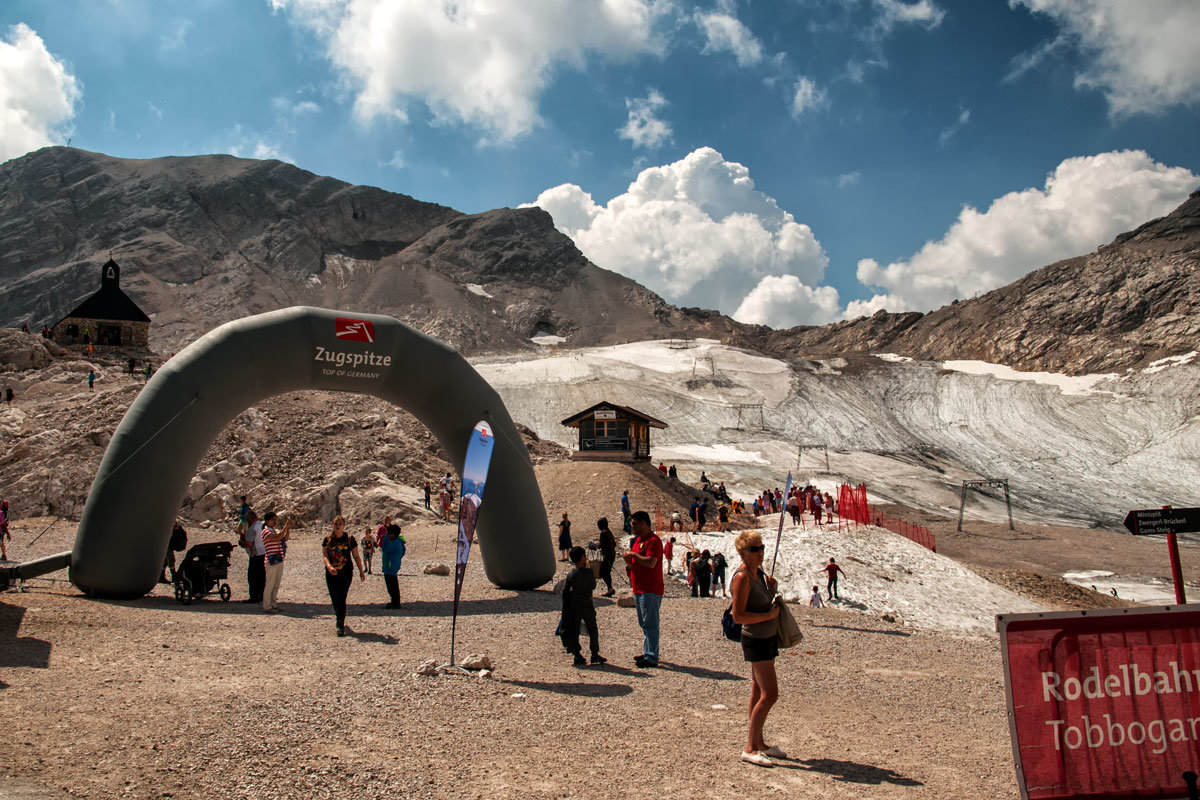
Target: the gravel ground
(152, 699)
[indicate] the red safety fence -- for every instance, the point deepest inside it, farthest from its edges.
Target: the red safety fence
(852, 503)
(853, 506)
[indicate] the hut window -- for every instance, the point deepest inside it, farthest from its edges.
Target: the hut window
(612, 428)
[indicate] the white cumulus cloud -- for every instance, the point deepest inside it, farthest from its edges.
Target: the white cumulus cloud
(725, 33)
(480, 62)
(783, 301)
(37, 94)
(1142, 53)
(1085, 202)
(644, 128)
(696, 231)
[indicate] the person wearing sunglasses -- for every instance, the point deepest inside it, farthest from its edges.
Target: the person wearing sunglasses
(754, 608)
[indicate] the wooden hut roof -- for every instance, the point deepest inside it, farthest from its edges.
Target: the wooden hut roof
(573, 421)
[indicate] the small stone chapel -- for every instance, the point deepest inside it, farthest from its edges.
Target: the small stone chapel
(109, 318)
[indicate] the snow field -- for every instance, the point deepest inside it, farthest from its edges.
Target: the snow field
(910, 430)
(885, 574)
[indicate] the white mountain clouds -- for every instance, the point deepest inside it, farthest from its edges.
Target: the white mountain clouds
(695, 231)
(1142, 55)
(783, 301)
(481, 62)
(1085, 202)
(38, 94)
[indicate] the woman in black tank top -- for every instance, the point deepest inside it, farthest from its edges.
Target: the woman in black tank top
(754, 608)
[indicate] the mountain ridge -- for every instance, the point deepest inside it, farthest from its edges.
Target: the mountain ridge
(206, 239)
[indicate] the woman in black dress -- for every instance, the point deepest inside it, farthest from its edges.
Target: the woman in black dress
(564, 538)
(338, 548)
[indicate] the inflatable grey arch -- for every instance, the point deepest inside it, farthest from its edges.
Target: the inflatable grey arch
(126, 525)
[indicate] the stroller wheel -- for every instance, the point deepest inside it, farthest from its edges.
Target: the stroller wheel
(225, 592)
(180, 594)
(185, 588)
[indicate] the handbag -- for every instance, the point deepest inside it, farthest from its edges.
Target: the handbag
(789, 630)
(731, 630)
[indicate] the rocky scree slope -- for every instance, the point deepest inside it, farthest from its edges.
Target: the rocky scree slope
(1130, 302)
(207, 239)
(315, 454)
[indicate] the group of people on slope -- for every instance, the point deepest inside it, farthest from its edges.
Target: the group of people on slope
(799, 501)
(265, 542)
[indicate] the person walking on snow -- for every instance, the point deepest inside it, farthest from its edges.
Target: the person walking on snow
(831, 571)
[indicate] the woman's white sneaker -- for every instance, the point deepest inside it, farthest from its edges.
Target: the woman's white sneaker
(773, 752)
(757, 758)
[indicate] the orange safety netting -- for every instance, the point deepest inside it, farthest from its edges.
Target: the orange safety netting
(853, 506)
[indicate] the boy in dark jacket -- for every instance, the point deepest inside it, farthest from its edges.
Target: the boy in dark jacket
(578, 607)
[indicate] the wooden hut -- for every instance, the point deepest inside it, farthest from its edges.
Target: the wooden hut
(609, 432)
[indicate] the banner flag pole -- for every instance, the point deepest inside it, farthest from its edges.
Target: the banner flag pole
(474, 476)
(787, 489)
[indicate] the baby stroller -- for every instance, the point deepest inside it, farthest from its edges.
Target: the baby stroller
(203, 571)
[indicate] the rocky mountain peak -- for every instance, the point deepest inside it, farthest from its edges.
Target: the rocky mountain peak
(205, 239)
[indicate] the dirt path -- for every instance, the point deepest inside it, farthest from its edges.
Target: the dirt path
(151, 699)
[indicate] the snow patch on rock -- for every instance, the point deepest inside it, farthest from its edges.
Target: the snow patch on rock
(1067, 384)
(885, 574)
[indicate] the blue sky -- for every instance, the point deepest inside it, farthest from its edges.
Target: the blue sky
(791, 161)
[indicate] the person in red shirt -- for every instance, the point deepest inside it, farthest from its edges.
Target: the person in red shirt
(831, 570)
(645, 573)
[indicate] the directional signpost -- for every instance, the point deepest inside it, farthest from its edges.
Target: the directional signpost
(1169, 521)
(1163, 520)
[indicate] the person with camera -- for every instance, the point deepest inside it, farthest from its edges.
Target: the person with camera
(275, 550)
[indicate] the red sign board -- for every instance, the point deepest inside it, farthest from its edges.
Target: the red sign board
(1103, 704)
(354, 330)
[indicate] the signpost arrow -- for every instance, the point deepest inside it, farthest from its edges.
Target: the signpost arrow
(1163, 520)
(1169, 521)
